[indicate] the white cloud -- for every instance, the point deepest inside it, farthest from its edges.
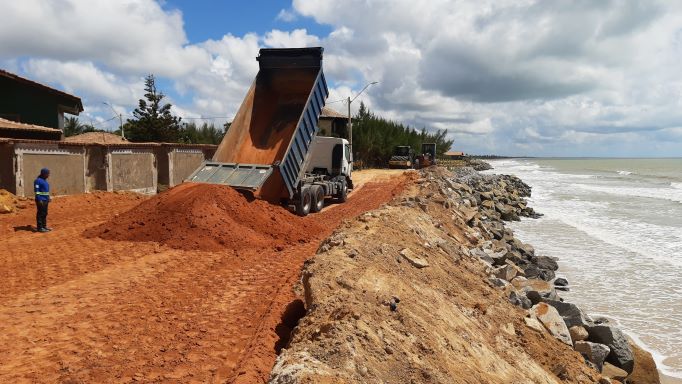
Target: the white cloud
(502, 76)
(86, 79)
(298, 38)
(132, 36)
(286, 15)
(521, 72)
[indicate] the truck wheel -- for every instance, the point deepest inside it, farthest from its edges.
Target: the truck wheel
(342, 196)
(304, 203)
(317, 194)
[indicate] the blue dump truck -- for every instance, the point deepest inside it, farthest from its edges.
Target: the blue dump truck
(271, 148)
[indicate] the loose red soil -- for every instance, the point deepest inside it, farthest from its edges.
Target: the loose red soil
(77, 308)
(208, 217)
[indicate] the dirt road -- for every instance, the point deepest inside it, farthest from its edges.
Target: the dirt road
(79, 309)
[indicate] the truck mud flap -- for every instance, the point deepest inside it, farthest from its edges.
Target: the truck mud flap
(241, 176)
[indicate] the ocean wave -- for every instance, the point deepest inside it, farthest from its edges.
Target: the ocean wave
(624, 173)
(671, 194)
(676, 185)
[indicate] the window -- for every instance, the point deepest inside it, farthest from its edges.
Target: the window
(348, 157)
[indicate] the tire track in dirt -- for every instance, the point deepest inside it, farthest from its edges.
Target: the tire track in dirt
(86, 309)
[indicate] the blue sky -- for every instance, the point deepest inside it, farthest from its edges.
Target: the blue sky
(532, 78)
(212, 19)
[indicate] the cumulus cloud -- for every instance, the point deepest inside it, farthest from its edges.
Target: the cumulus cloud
(531, 76)
(132, 36)
(505, 76)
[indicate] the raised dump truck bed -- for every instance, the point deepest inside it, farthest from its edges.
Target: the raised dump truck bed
(267, 147)
(271, 133)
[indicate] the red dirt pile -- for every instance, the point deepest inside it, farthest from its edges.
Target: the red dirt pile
(208, 217)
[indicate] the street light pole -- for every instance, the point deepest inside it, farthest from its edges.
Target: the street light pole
(120, 118)
(350, 121)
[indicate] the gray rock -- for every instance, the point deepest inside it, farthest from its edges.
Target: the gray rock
(613, 372)
(505, 272)
(560, 282)
(520, 300)
(496, 282)
(534, 324)
(573, 316)
(481, 255)
(533, 271)
(545, 262)
(578, 333)
(534, 297)
(621, 354)
(527, 250)
(550, 318)
(594, 352)
(414, 259)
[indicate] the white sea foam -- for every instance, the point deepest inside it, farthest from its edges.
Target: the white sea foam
(624, 173)
(672, 194)
(610, 245)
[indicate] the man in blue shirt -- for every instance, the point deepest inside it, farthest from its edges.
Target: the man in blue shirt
(42, 191)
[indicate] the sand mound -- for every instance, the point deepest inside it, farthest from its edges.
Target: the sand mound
(208, 217)
(10, 203)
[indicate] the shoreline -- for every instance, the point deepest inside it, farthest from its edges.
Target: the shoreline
(449, 234)
(522, 210)
(665, 377)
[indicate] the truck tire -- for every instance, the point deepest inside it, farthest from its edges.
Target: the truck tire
(304, 202)
(342, 195)
(317, 194)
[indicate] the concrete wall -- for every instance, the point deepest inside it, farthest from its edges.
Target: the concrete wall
(183, 162)
(133, 170)
(163, 165)
(67, 169)
(7, 180)
(96, 173)
(80, 168)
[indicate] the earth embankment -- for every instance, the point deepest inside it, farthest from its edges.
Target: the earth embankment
(398, 295)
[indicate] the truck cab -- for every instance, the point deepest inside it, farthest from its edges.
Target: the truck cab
(330, 156)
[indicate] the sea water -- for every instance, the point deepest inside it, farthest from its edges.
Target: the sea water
(616, 227)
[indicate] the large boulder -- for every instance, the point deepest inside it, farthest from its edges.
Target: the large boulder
(550, 318)
(505, 272)
(621, 354)
(578, 333)
(613, 372)
(545, 262)
(572, 315)
(594, 352)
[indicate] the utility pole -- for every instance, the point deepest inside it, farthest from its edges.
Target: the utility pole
(350, 121)
(120, 118)
(350, 125)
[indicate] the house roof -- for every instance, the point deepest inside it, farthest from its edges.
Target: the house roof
(75, 100)
(331, 114)
(13, 125)
(14, 130)
(96, 138)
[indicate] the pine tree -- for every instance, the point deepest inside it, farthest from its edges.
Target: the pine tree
(153, 121)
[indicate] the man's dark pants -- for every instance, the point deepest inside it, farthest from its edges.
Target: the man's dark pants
(41, 214)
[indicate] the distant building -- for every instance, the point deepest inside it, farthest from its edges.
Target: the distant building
(33, 104)
(12, 130)
(333, 123)
(96, 138)
(454, 155)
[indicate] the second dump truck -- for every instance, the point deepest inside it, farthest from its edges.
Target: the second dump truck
(271, 148)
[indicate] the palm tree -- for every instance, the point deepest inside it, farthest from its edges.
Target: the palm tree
(73, 127)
